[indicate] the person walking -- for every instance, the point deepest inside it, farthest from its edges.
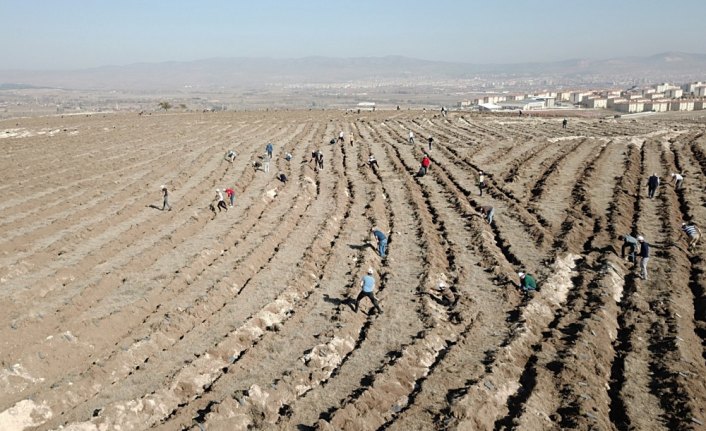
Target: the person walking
(411, 137)
(564, 123)
(652, 184)
(221, 202)
(481, 182)
(231, 196)
(381, 239)
(644, 256)
(165, 196)
(678, 180)
(487, 212)
(367, 284)
(527, 282)
(692, 232)
(630, 243)
(431, 141)
(269, 148)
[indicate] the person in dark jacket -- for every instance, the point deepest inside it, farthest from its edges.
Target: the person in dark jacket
(644, 256)
(652, 184)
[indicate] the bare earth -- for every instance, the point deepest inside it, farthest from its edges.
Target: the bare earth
(117, 315)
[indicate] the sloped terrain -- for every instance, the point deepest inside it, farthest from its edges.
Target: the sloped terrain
(118, 315)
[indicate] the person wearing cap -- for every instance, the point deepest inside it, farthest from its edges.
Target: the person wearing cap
(367, 284)
(644, 256)
(652, 184)
(527, 282)
(231, 196)
(481, 182)
(165, 203)
(678, 180)
(221, 202)
(629, 242)
(487, 212)
(381, 239)
(692, 232)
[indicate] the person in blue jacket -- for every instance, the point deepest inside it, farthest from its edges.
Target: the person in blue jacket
(381, 239)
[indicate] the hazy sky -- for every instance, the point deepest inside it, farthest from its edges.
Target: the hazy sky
(71, 34)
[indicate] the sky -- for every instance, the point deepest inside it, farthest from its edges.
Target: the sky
(77, 34)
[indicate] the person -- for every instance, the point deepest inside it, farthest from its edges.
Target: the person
(288, 156)
(165, 195)
(351, 141)
(644, 256)
(282, 177)
(678, 180)
(256, 164)
(444, 111)
(221, 202)
(692, 232)
(373, 164)
(652, 184)
(424, 167)
(381, 239)
(367, 284)
(520, 112)
(481, 182)
(564, 123)
(319, 160)
(269, 149)
(341, 139)
(332, 141)
(629, 242)
(488, 212)
(230, 156)
(431, 141)
(411, 137)
(527, 282)
(231, 196)
(266, 162)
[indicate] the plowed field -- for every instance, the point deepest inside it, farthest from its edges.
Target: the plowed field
(117, 315)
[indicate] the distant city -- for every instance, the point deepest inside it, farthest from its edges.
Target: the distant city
(661, 97)
(622, 85)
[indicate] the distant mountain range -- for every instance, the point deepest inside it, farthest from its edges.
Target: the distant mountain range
(251, 73)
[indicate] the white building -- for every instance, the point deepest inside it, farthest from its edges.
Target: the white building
(657, 106)
(594, 102)
(523, 105)
(690, 88)
(681, 105)
(673, 93)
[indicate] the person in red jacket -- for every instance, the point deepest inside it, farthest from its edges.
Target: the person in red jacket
(231, 195)
(424, 168)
